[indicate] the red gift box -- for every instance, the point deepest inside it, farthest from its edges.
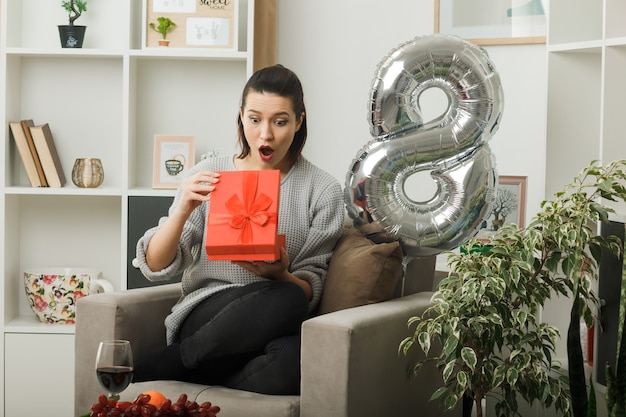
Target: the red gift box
(242, 223)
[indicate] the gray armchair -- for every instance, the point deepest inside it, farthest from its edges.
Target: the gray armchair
(350, 366)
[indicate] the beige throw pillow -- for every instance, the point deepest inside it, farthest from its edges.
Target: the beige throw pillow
(360, 272)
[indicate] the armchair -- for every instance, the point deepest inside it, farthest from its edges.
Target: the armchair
(349, 363)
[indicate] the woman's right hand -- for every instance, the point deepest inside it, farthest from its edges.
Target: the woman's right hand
(195, 190)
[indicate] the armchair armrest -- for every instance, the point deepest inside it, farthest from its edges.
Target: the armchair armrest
(350, 364)
(135, 315)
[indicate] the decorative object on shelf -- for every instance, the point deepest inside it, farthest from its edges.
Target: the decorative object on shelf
(508, 207)
(165, 26)
(452, 148)
(488, 22)
(203, 24)
(72, 35)
(172, 156)
(490, 303)
(52, 292)
(87, 172)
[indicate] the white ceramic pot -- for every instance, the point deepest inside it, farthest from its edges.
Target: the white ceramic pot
(52, 292)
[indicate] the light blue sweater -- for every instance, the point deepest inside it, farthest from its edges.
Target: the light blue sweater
(311, 215)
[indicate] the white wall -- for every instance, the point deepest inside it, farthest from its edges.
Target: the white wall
(335, 47)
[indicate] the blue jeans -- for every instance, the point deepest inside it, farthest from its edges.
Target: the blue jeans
(245, 338)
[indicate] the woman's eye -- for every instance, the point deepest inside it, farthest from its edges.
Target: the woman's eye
(281, 122)
(254, 119)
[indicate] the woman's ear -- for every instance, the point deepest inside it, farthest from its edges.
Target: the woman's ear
(299, 123)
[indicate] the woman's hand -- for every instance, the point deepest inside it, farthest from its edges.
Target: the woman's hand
(276, 271)
(195, 190)
(271, 270)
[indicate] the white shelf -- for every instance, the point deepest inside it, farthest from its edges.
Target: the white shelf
(594, 47)
(68, 189)
(30, 324)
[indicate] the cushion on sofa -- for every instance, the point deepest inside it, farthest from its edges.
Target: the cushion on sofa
(360, 272)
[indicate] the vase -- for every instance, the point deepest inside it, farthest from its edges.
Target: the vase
(72, 35)
(87, 173)
(52, 292)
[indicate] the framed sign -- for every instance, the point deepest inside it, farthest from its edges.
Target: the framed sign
(493, 22)
(173, 155)
(199, 23)
(509, 207)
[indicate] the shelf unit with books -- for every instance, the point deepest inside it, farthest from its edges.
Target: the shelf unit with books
(106, 100)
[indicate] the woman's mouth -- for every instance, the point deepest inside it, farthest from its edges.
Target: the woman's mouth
(266, 153)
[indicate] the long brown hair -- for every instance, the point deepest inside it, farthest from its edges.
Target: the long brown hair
(285, 83)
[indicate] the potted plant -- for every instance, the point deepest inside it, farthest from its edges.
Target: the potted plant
(164, 27)
(72, 35)
(485, 314)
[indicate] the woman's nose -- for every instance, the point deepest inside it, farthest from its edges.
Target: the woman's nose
(266, 131)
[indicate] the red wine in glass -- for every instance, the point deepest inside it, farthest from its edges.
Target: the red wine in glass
(114, 366)
(114, 379)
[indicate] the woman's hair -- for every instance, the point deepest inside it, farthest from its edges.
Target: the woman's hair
(282, 82)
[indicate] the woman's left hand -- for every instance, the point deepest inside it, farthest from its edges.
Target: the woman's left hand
(276, 270)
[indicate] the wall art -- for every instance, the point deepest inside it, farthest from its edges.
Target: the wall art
(493, 22)
(173, 155)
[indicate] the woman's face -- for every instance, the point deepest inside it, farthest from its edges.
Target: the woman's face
(269, 126)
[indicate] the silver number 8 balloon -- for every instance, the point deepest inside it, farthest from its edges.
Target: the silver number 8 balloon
(452, 148)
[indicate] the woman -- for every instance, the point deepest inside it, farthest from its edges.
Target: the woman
(237, 323)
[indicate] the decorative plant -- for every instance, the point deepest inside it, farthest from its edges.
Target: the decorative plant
(74, 9)
(165, 26)
(485, 313)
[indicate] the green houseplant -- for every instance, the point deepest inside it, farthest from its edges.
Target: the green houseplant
(165, 26)
(485, 314)
(72, 35)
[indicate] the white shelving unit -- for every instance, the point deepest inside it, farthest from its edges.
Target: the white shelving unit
(586, 86)
(106, 100)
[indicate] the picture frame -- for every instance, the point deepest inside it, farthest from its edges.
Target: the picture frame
(493, 22)
(173, 155)
(509, 207)
(199, 24)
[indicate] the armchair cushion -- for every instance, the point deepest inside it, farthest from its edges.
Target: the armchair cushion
(360, 272)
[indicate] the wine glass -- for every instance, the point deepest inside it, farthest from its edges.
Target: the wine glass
(114, 366)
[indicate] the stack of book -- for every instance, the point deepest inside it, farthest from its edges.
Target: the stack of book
(38, 152)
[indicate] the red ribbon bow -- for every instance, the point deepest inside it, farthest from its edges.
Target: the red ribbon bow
(253, 208)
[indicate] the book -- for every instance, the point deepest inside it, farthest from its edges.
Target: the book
(50, 161)
(26, 124)
(24, 150)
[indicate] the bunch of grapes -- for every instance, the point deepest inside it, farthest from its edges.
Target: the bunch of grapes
(109, 407)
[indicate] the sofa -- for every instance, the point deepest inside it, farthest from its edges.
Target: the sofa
(350, 363)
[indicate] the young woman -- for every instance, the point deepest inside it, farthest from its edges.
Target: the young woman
(237, 323)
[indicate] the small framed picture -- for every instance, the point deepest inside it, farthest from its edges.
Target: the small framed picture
(198, 24)
(492, 22)
(173, 155)
(509, 207)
